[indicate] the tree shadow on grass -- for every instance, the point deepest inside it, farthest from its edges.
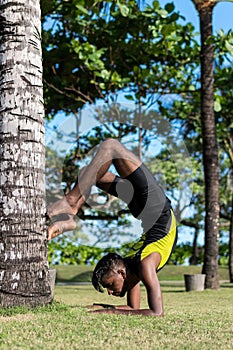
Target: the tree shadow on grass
(173, 291)
(226, 285)
(81, 277)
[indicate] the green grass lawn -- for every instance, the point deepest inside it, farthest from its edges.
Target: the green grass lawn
(193, 320)
(79, 273)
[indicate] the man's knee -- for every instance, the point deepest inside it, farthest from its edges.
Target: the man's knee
(111, 145)
(111, 142)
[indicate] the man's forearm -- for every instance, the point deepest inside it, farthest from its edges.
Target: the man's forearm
(155, 300)
(132, 312)
(110, 306)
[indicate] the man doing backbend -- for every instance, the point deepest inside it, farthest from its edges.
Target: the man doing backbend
(147, 202)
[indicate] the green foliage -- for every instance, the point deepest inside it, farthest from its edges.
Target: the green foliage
(224, 254)
(94, 49)
(64, 252)
(183, 253)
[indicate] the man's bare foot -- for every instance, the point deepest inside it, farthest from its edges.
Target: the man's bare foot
(60, 207)
(58, 227)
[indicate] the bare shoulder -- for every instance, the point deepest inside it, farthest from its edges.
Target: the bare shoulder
(151, 261)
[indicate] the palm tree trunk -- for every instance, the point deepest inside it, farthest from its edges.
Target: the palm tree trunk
(231, 246)
(210, 148)
(24, 276)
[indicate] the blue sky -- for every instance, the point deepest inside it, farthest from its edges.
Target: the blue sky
(222, 14)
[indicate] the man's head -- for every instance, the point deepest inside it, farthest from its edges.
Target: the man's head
(110, 273)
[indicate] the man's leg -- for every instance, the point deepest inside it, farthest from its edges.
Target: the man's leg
(109, 152)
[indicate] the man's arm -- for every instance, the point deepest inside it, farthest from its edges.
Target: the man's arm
(142, 312)
(148, 275)
(133, 297)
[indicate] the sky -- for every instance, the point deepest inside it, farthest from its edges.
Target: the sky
(222, 14)
(222, 19)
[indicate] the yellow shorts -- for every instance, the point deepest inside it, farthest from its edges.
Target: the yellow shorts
(163, 246)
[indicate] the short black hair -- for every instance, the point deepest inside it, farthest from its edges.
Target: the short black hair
(106, 265)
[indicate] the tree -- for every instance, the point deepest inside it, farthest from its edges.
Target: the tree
(186, 113)
(118, 49)
(24, 278)
(225, 136)
(210, 147)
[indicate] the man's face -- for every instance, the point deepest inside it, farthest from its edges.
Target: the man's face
(115, 283)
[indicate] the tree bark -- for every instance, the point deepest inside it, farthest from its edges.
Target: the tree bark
(231, 246)
(24, 278)
(210, 148)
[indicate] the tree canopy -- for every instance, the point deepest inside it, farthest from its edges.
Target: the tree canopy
(91, 52)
